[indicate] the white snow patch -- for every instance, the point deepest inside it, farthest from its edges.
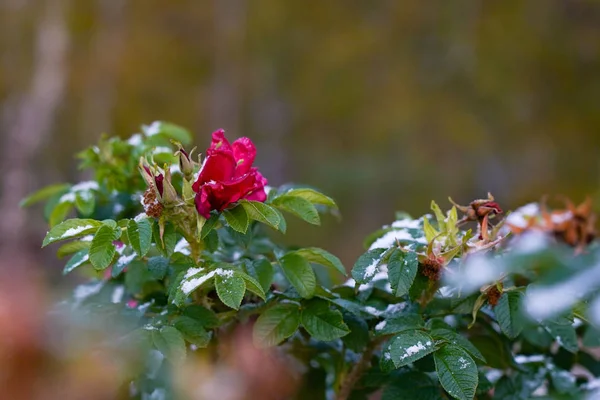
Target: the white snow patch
(544, 302)
(389, 239)
(371, 269)
(117, 294)
(84, 186)
(125, 260)
(477, 271)
(67, 197)
(447, 291)
(530, 242)
(463, 363)
(182, 247)
(350, 283)
(140, 217)
(190, 285)
(380, 325)
(594, 311)
(225, 273)
(152, 129)
(521, 359)
(118, 208)
(373, 311)
(395, 308)
(493, 375)
(82, 292)
(192, 271)
(521, 215)
(74, 231)
(559, 218)
(87, 238)
(414, 349)
(135, 140)
(162, 150)
(407, 224)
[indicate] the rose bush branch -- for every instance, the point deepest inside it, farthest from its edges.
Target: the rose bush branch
(440, 306)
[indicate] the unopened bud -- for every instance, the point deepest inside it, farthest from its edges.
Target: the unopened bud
(169, 194)
(185, 162)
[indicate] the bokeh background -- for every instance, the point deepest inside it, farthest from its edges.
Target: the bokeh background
(383, 105)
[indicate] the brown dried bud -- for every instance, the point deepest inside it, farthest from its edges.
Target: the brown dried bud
(152, 207)
(432, 267)
(494, 293)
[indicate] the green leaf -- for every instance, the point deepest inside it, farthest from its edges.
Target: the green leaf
(85, 201)
(298, 206)
(300, 274)
(157, 266)
(209, 225)
(204, 316)
(167, 130)
(495, 348)
(72, 247)
(430, 232)
(439, 215)
(591, 337)
(322, 257)
(252, 284)
(564, 334)
(457, 372)
(44, 194)
(230, 288)
(399, 323)
(122, 262)
(70, 229)
(412, 385)
(358, 338)
(276, 324)
(312, 196)
(402, 269)
(262, 271)
(237, 218)
(136, 277)
(139, 234)
(365, 267)
(458, 340)
(167, 244)
(282, 222)
(410, 346)
(192, 331)
(264, 213)
(563, 381)
(323, 323)
(170, 343)
(508, 313)
(479, 302)
(60, 212)
(78, 259)
(102, 249)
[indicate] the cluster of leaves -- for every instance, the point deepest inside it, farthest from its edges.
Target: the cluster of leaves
(431, 310)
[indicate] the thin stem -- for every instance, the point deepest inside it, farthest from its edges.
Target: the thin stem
(358, 370)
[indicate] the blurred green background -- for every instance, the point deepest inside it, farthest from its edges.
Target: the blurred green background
(383, 105)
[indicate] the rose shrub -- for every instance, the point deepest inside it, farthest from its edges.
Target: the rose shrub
(195, 299)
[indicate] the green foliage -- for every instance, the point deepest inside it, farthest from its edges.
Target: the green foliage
(431, 311)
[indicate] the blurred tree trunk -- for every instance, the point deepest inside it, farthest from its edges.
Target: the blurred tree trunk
(105, 53)
(30, 121)
(225, 102)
